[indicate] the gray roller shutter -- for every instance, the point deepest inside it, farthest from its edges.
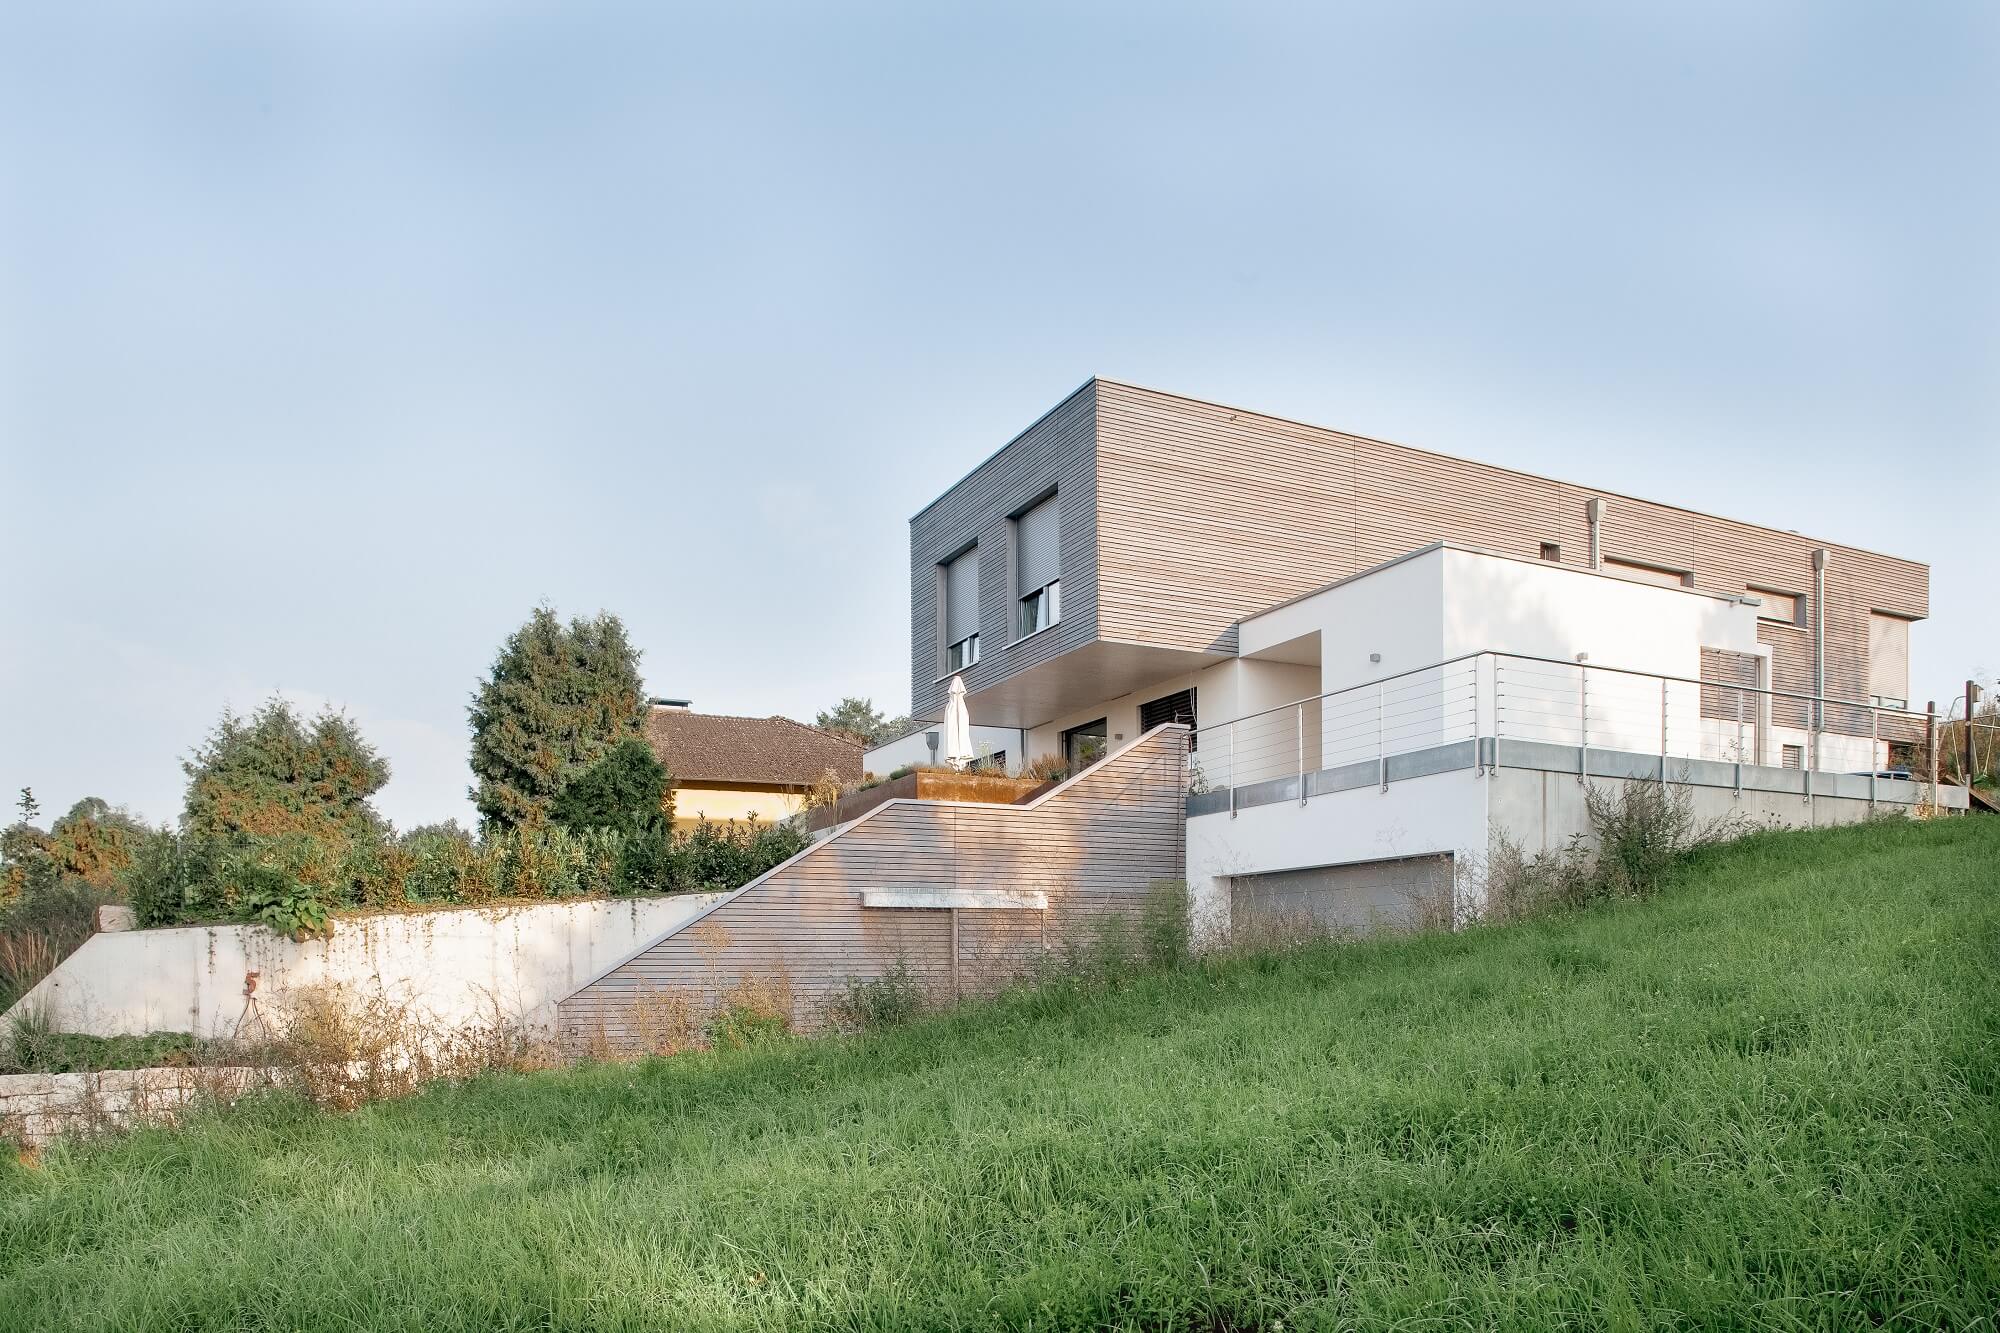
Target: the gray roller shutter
(961, 597)
(1037, 548)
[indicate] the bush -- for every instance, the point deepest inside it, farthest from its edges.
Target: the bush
(42, 927)
(272, 897)
(889, 1000)
(1643, 832)
(626, 790)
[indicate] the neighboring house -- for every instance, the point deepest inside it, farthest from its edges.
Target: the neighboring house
(923, 744)
(734, 768)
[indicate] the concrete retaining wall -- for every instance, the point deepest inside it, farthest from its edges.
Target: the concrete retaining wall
(455, 965)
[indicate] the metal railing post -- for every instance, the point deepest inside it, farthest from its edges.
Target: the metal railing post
(1663, 729)
(1583, 723)
(1874, 764)
(1739, 742)
(1302, 754)
(1381, 745)
(1232, 770)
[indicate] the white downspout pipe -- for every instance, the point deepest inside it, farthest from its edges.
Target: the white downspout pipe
(1819, 652)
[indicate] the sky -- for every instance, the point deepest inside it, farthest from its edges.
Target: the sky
(334, 339)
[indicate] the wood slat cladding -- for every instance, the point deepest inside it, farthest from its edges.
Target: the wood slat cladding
(1057, 453)
(1207, 514)
(1094, 845)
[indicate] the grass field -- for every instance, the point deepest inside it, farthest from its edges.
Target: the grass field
(1765, 1099)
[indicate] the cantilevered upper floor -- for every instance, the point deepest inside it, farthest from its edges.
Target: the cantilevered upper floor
(1121, 539)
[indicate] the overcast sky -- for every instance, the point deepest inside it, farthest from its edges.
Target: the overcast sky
(333, 340)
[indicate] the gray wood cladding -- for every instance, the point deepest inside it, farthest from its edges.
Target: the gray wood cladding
(1057, 453)
(1094, 846)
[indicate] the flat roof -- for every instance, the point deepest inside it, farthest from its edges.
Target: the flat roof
(1393, 444)
(1490, 554)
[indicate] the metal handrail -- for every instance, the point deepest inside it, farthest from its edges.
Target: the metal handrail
(1823, 700)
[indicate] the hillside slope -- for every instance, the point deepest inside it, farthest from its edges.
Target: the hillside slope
(1765, 1098)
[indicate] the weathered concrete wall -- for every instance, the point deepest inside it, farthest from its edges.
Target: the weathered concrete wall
(1542, 811)
(455, 965)
(35, 1108)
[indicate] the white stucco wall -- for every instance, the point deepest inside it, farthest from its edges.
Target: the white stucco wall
(1221, 692)
(453, 964)
(1444, 812)
(912, 749)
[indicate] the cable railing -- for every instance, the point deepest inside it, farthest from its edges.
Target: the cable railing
(1501, 698)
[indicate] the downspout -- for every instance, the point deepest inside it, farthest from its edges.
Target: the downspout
(1819, 650)
(1595, 511)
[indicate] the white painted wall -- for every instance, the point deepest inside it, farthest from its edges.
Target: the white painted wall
(912, 749)
(1221, 692)
(452, 964)
(1444, 812)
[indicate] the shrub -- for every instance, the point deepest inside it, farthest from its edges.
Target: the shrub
(1048, 768)
(753, 1011)
(156, 883)
(268, 895)
(1164, 923)
(1642, 831)
(888, 1000)
(439, 866)
(626, 790)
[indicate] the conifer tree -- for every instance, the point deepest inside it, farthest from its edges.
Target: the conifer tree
(556, 701)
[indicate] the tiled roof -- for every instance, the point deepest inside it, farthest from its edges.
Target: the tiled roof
(713, 747)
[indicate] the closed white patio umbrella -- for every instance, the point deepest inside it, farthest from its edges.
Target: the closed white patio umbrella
(957, 727)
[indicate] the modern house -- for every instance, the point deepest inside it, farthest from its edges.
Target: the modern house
(734, 768)
(1335, 614)
(1091, 578)
(1306, 672)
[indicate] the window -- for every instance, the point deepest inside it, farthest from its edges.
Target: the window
(1657, 575)
(1085, 745)
(961, 611)
(1037, 569)
(1792, 756)
(1551, 551)
(996, 762)
(1039, 610)
(1176, 707)
(1889, 660)
(1780, 608)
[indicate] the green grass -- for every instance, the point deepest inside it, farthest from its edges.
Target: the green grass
(1764, 1099)
(28, 1050)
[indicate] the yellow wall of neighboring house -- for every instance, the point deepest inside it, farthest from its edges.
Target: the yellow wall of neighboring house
(721, 804)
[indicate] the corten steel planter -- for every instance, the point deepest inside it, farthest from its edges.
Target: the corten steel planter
(931, 784)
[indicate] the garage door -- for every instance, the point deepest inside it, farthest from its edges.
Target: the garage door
(1358, 897)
